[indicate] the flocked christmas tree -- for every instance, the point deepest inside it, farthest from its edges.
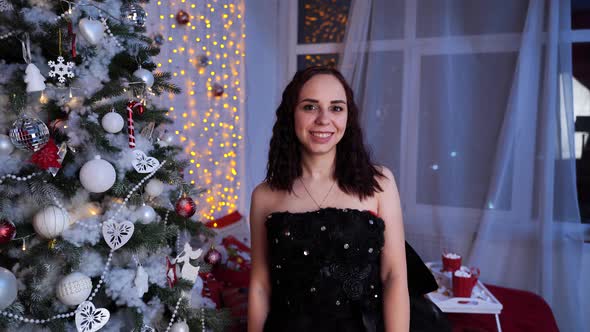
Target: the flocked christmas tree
(94, 212)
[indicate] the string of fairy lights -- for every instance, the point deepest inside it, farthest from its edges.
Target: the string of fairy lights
(203, 46)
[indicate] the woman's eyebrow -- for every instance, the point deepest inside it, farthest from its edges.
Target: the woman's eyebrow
(309, 100)
(316, 101)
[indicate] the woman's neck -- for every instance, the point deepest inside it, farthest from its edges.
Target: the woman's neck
(318, 167)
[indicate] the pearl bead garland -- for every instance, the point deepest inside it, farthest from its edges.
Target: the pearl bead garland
(108, 30)
(108, 262)
(8, 34)
(18, 178)
(133, 190)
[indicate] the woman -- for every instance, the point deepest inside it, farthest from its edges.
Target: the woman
(321, 260)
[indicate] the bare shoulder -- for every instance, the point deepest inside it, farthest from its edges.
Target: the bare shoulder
(388, 199)
(261, 201)
(386, 181)
(263, 194)
(262, 189)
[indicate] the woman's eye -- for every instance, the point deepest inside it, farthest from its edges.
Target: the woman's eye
(309, 107)
(337, 109)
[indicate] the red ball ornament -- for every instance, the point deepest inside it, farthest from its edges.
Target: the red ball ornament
(213, 256)
(217, 90)
(7, 231)
(186, 207)
(182, 17)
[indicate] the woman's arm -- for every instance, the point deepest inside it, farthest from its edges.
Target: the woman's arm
(259, 292)
(396, 300)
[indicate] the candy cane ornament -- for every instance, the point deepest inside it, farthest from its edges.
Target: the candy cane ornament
(132, 106)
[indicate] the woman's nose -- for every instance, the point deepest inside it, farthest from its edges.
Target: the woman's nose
(322, 116)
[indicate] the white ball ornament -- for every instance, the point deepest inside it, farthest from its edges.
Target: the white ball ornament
(8, 288)
(97, 175)
(6, 146)
(50, 222)
(145, 75)
(154, 187)
(181, 326)
(74, 288)
(146, 214)
(112, 122)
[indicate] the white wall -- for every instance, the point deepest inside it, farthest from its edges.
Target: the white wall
(263, 85)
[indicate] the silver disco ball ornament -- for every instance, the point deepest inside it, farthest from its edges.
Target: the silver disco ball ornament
(29, 134)
(133, 14)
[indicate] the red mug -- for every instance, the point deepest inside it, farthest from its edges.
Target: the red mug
(463, 286)
(451, 264)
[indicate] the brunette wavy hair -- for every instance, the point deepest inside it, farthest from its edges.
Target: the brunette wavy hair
(354, 171)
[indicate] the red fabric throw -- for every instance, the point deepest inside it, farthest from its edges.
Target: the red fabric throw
(522, 312)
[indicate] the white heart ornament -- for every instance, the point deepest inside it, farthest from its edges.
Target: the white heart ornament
(116, 234)
(143, 163)
(91, 30)
(90, 319)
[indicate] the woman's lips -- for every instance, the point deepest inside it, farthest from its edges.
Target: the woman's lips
(321, 137)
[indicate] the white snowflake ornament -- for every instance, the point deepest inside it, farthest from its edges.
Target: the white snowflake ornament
(61, 69)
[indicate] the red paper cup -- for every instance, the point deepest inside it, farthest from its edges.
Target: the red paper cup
(462, 286)
(451, 264)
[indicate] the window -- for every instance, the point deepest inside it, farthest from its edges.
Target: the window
(413, 52)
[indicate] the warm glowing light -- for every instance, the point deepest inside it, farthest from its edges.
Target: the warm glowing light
(213, 122)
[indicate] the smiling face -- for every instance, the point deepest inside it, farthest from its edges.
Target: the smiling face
(321, 114)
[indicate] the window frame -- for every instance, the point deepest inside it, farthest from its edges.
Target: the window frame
(414, 49)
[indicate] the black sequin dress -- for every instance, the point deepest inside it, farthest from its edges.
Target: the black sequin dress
(325, 271)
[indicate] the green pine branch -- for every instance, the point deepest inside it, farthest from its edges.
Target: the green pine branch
(162, 84)
(98, 137)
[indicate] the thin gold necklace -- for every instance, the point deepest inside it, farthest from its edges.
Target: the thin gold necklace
(323, 200)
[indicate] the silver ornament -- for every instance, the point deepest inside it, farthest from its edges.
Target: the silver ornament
(146, 76)
(8, 288)
(154, 187)
(6, 146)
(181, 326)
(29, 133)
(167, 139)
(91, 30)
(133, 14)
(146, 214)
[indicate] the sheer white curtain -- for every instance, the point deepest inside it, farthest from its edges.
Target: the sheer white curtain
(470, 104)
